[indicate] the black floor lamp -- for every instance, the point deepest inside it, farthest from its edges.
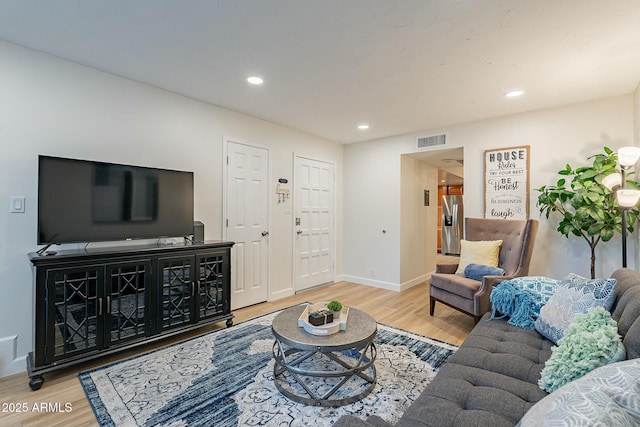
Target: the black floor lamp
(627, 199)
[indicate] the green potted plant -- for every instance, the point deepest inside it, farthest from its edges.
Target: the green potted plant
(335, 307)
(588, 208)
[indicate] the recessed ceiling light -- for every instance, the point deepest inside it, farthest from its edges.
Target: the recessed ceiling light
(363, 126)
(514, 93)
(254, 80)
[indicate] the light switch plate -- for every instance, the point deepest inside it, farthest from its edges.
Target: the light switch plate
(17, 204)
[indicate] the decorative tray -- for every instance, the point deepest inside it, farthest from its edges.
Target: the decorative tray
(337, 325)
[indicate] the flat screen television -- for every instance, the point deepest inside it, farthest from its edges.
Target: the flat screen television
(88, 201)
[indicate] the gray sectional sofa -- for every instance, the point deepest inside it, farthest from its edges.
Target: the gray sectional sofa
(492, 379)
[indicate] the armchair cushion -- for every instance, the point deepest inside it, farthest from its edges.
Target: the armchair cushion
(456, 284)
(485, 252)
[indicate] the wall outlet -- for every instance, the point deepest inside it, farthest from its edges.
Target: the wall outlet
(372, 272)
(17, 204)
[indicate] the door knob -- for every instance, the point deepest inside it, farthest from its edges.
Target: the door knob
(265, 233)
(299, 232)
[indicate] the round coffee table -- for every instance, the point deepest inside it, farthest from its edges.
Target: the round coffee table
(310, 369)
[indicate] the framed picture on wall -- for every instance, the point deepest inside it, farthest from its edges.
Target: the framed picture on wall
(506, 183)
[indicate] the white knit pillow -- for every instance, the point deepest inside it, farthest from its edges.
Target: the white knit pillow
(484, 252)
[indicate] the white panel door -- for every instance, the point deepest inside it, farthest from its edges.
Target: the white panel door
(247, 218)
(314, 196)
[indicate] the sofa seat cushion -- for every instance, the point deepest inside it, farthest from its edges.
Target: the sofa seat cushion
(506, 349)
(517, 363)
(467, 396)
(492, 379)
(455, 284)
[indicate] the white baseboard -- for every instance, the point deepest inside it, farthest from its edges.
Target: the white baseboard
(413, 282)
(10, 363)
(374, 283)
(396, 287)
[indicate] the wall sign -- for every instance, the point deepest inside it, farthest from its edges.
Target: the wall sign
(506, 183)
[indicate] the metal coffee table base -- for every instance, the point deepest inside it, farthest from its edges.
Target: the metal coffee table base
(287, 368)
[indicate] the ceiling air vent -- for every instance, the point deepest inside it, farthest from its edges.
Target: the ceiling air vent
(432, 140)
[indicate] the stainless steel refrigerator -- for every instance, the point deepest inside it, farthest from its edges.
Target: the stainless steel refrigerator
(452, 224)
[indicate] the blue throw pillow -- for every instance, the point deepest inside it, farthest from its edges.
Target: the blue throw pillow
(606, 396)
(478, 271)
(575, 295)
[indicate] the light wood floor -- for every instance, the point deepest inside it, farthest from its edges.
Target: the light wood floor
(407, 310)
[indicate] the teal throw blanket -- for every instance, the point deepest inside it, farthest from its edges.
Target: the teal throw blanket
(521, 299)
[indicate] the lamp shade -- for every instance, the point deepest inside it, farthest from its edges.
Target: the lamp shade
(612, 181)
(628, 198)
(628, 156)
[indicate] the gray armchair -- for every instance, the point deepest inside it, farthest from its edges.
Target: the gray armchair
(472, 296)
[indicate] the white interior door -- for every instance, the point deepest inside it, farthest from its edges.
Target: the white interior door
(247, 219)
(314, 224)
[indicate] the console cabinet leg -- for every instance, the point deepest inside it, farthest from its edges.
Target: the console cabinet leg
(36, 382)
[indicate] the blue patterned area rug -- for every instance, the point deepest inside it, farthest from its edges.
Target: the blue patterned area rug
(225, 378)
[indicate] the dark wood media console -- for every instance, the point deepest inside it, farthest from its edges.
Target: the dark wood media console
(96, 302)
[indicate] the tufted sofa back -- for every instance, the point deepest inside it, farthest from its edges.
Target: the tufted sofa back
(626, 309)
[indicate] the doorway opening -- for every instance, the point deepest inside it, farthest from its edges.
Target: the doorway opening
(445, 172)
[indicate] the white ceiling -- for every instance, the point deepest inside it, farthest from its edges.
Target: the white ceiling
(449, 163)
(328, 65)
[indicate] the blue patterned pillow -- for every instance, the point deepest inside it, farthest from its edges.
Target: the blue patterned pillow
(606, 396)
(575, 295)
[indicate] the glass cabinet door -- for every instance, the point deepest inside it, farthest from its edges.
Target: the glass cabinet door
(127, 301)
(211, 276)
(177, 289)
(74, 315)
